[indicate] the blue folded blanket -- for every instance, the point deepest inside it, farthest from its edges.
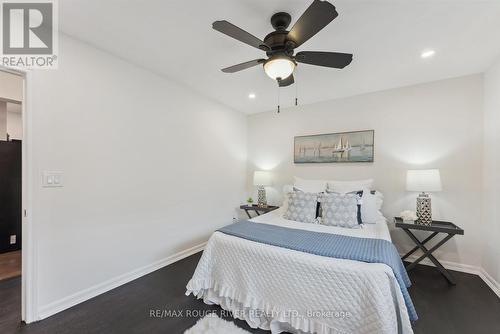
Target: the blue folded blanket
(330, 245)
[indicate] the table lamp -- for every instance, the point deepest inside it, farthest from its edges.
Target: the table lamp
(262, 179)
(423, 180)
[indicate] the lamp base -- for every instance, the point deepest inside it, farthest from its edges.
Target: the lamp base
(261, 200)
(424, 209)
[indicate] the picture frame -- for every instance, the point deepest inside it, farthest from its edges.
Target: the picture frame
(338, 147)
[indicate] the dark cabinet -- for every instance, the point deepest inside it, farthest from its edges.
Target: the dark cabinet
(10, 194)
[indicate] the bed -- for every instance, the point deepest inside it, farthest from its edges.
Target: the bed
(284, 290)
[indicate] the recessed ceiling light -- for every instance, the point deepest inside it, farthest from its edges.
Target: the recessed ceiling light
(427, 53)
(251, 96)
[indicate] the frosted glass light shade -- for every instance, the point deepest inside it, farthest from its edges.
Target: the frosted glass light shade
(262, 178)
(279, 68)
(425, 180)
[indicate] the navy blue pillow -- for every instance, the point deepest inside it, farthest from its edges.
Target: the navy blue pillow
(318, 208)
(360, 195)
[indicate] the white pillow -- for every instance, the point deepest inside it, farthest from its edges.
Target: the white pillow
(344, 187)
(310, 186)
(370, 207)
(287, 188)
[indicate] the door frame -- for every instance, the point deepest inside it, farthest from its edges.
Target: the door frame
(29, 292)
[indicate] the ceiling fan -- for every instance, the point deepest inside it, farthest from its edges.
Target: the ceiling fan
(280, 44)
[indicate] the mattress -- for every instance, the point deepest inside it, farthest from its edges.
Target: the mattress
(282, 290)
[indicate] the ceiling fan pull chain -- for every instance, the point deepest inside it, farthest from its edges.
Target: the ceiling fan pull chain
(278, 99)
(296, 90)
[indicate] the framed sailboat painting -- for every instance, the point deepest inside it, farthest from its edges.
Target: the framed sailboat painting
(354, 146)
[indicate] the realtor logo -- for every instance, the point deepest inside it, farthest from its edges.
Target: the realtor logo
(29, 34)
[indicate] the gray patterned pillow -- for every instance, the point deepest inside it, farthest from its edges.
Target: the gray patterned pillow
(340, 210)
(301, 207)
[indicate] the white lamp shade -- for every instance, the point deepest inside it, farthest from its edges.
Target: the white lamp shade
(426, 180)
(261, 178)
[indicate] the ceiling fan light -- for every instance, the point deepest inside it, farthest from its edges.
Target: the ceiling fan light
(280, 67)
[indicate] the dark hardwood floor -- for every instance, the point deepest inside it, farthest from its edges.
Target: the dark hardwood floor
(468, 307)
(10, 265)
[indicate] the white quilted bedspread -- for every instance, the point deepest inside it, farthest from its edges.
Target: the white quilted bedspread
(280, 290)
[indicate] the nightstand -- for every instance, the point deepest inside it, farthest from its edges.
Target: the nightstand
(435, 227)
(257, 209)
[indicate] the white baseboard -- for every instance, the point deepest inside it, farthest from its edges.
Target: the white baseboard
(465, 268)
(493, 284)
(81, 296)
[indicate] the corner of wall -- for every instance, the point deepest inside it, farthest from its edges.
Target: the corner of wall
(490, 220)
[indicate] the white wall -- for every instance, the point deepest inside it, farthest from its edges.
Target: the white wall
(11, 90)
(435, 125)
(11, 87)
(3, 120)
(14, 121)
(150, 169)
(11, 121)
(491, 173)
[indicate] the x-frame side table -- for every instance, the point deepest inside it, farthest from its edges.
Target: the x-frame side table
(257, 209)
(436, 227)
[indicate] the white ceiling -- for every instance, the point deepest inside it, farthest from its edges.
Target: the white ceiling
(175, 38)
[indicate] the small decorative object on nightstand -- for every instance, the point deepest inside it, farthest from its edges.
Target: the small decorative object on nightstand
(425, 180)
(408, 216)
(262, 179)
(257, 209)
(435, 227)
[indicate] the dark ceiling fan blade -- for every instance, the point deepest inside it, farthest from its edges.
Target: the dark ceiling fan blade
(239, 34)
(286, 82)
(328, 59)
(316, 17)
(243, 66)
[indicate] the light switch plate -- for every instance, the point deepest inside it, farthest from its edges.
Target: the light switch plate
(13, 239)
(52, 179)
